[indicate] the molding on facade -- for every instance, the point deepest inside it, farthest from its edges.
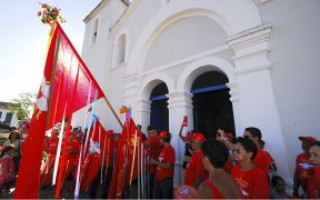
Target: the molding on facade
(251, 49)
(234, 91)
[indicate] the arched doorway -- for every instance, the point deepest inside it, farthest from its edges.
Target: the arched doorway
(159, 115)
(212, 108)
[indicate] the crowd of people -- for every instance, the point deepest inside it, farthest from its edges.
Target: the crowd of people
(220, 167)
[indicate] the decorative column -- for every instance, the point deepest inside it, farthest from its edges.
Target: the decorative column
(258, 104)
(236, 107)
(179, 105)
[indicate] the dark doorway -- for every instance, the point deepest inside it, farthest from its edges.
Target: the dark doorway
(159, 116)
(212, 108)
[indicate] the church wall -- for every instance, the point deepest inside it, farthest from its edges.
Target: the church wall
(294, 54)
(182, 39)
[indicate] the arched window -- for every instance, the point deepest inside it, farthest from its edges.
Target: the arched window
(120, 50)
(95, 31)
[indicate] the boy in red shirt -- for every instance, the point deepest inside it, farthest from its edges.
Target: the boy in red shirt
(153, 146)
(314, 181)
(252, 180)
(195, 173)
(304, 169)
(163, 183)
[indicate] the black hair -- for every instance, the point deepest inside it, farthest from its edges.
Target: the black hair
(5, 150)
(275, 179)
(138, 125)
(12, 132)
(248, 146)
(167, 139)
(216, 152)
(151, 127)
(317, 143)
(255, 132)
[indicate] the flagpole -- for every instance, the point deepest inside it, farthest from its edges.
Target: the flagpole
(112, 110)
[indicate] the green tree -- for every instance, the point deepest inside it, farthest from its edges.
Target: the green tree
(23, 105)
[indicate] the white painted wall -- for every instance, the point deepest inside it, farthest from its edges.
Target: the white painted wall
(294, 54)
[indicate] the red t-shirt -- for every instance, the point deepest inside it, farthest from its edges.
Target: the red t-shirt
(167, 155)
(314, 185)
(153, 151)
(195, 169)
(253, 183)
(262, 160)
(304, 169)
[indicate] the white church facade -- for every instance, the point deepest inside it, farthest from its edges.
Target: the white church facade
(225, 64)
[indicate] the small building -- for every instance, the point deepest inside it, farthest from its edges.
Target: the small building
(8, 118)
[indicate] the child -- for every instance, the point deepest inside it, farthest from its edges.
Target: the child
(7, 167)
(278, 190)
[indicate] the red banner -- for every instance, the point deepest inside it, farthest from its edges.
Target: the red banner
(68, 86)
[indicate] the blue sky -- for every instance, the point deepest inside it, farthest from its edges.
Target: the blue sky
(23, 40)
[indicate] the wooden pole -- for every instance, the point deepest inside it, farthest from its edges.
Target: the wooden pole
(112, 110)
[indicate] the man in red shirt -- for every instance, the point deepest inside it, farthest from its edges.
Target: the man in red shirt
(304, 169)
(153, 146)
(195, 173)
(262, 158)
(314, 181)
(163, 183)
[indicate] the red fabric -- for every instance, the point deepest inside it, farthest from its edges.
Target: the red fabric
(185, 121)
(27, 185)
(253, 183)
(47, 172)
(68, 80)
(123, 168)
(167, 155)
(216, 194)
(228, 166)
(314, 185)
(93, 161)
(304, 174)
(153, 152)
(262, 160)
(195, 170)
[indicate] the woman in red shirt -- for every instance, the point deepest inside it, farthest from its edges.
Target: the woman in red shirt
(220, 184)
(252, 180)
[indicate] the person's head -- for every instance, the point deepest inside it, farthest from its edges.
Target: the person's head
(54, 132)
(14, 135)
(253, 134)
(214, 154)
(196, 140)
(314, 151)
(6, 151)
(152, 131)
(305, 142)
(165, 137)
(245, 149)
(138, 127)
(278, 184)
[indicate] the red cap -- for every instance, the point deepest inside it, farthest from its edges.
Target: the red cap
(199, 137)
(311, 139)
(164, 134)
(229, 135)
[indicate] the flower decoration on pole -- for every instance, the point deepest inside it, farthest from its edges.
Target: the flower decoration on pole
(50, 14)
(124, 109)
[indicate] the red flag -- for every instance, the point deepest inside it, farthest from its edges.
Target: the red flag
(93, 161)
(185, 121)
(127, 160)
(68, 86)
